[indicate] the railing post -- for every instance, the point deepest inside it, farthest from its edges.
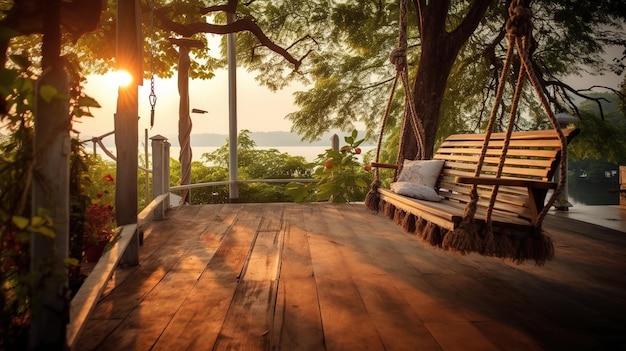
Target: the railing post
(166, 174)
(159, 177)
(334, 142)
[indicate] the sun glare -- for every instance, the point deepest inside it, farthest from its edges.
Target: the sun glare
(123, 78)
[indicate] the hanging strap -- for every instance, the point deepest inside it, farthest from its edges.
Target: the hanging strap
(152, 98)
(518, 27)
(470, 208)
(399, 60)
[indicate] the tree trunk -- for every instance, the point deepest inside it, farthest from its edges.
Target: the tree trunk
(51, 184)
(129, 57)
(439, 49)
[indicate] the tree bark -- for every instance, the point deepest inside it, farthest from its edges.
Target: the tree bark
(49, 303)
(439, 49)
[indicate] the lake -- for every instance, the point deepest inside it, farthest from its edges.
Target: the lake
(308, 152)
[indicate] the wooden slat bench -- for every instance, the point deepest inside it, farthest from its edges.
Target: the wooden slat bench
(531, 161)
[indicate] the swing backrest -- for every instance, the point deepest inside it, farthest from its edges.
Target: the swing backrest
(532, 155)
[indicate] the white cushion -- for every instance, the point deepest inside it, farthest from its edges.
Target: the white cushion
(414, 190)
(424, 172)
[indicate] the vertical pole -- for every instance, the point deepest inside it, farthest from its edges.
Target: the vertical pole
(50, 195)
(158, 171)
(334, 142)
(146, 166)
(562, 202)
(184, 122)
(184, 119)
(129, 56)
(622, 186)
(166, 173)
(232, 114)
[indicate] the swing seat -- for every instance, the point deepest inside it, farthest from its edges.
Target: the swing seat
(531, 162)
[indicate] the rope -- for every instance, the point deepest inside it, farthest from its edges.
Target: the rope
(470, 208)
(546, 106)
(507, 140)
(152, 98)
(398, 58)
(519, 28)
(382, 127)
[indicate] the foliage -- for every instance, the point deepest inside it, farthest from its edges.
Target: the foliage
(79, 201)
(341, 176)
(16, 163)
(252, 164)
(17, 221)
(100, 214)
(601, 145)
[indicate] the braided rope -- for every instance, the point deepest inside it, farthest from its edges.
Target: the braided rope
(470, 208)
(507, 140)
(399, 60)
(546, 106)
(401, 66)
(382, 127)
(519, 29)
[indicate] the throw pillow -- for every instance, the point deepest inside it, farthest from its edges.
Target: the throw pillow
(425, 172)
(414, 190)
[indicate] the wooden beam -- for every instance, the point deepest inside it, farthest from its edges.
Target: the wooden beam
(87, 296)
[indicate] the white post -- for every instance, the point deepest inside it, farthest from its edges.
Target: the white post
(334, 142)
(232, 115)
(158, 172)
(166, 174)
(562, 202)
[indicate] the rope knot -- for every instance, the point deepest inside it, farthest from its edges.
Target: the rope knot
(398, 58)
(519, 22)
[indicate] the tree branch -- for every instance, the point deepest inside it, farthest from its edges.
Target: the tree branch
(240, 25)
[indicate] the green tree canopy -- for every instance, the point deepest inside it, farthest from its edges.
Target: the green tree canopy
(341, 49)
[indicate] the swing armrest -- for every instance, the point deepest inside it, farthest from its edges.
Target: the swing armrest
(528, 183)
(383, 165)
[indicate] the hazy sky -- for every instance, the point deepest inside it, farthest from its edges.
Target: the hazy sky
(258, 108)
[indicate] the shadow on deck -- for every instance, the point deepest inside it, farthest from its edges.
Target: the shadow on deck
(335, 277)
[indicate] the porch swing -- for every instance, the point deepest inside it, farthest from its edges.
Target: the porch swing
(481, 193)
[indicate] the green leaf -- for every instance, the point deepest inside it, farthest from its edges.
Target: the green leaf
(70, 261)
(88, 101)
(48, 92)
(45, 231)
(20, 222)
(21, 61)
(361, 183)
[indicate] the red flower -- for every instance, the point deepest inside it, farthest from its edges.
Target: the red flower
(108, 178)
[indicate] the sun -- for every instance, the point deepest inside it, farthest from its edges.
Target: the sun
(123, 78)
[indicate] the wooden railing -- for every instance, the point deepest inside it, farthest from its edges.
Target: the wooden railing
(119, 251)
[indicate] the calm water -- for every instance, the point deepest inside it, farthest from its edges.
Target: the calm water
(308, 152)
(596, 193)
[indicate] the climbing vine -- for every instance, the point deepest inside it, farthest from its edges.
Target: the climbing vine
(17, 220)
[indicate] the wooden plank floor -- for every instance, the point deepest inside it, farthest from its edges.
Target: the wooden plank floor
(335, 277)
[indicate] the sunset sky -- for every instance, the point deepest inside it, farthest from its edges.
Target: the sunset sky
(258, 108)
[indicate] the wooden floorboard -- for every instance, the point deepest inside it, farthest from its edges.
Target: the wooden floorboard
(336, 277)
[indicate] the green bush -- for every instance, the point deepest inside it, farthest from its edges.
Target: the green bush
(341, 176)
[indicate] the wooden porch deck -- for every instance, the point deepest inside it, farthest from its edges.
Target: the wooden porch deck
(335, 277)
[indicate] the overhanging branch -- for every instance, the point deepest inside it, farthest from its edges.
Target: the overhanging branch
(240, 25)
